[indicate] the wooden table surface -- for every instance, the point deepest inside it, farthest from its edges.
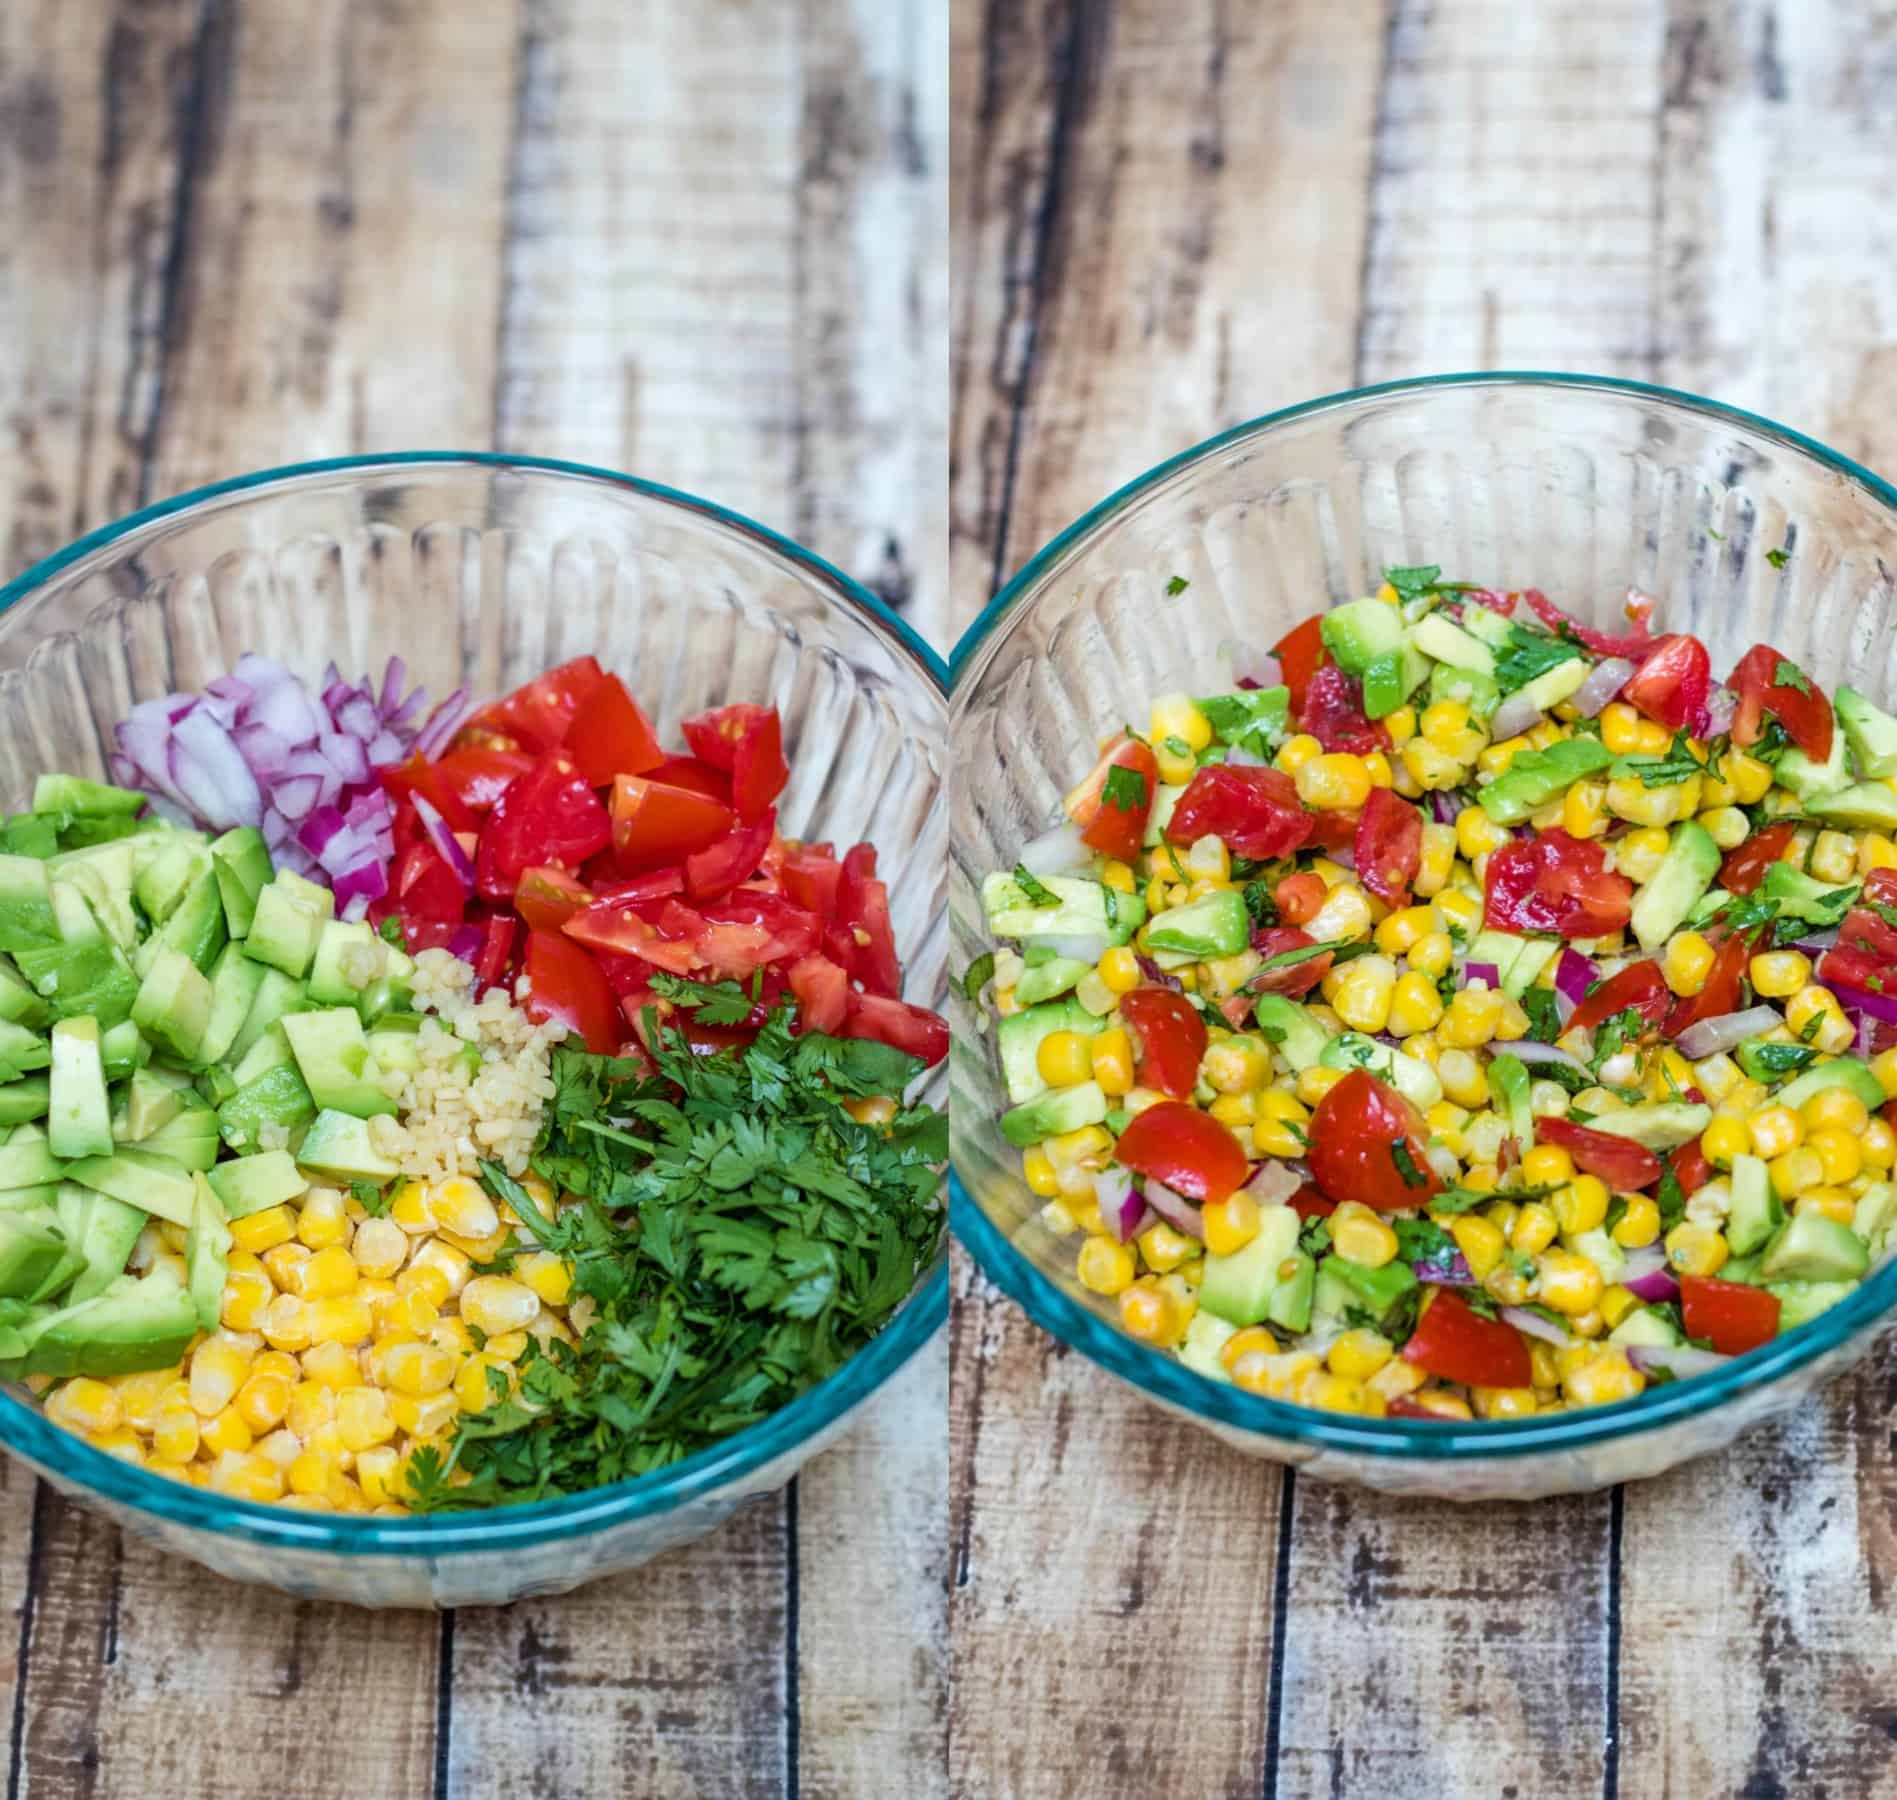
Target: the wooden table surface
(706, 243)
(1171, 215)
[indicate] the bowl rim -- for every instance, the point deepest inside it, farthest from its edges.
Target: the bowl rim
(1169, 1380)
(500, 1529)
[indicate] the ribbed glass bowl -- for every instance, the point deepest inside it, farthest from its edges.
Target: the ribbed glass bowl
(488, 570)
(1577, 485)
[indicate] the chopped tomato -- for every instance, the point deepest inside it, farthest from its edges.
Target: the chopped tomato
(1298, 897)
(862, 913)
(1618, 1161)
(1767, 682)
(1453, 1342)
(1188, 1150)
(1311, 1202)
(1743, 869)
(565, 983)
(549, 815)
(1640, 985)
(914, 1030)
(748, 743)
(653, 823)
(422, 886)
(699, 777)
(497, 945)
(617, 926)
(1114, 823)
(641, 888)
(1292, 978)
(405, 780)
(823, 993)
(1554, 882)
(812, 877)
(719, 867)
(611, 736)
(1671, 685)
(1332, 830)
(547, 897)
(1169, 1039)
(1724, 991)
(1255, 811)
(1635, 643)
(478, 778)
(539, 712)
(1300, 653)
(1690, 1167)
(1367, 1144)
(1866, 951)
(1733, 1317)
(1333, 714)
(783, 930)
(1389, 846)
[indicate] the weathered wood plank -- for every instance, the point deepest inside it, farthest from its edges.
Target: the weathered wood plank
(328, 148)
(1776, 233)
(1096, 1643)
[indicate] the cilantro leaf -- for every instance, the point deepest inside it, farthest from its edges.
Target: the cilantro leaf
(1125, 789)
(1778, 558)
(1177, 586)
(1544, 1017)
(1416, 583)
(1255, 719)
(1406, 1165)
(1529, 653)
(390, 931)
(1788, 674)
(711, 1003)
(1679, 764)
(1260, 905)
(1036, 893)
(977, 976)
(372, 1197)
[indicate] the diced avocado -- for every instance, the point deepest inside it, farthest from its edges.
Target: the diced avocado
(1290, 1303)
(1165, 801)
(1518, 961)
(1535, 777)
(1045, 980)
(1485, 623)
(1083, 909)
(1213, 926)
(190, 1140)
(206, 1248)
(1685, 873)
(1871, 731)
(1841, 1071)
(27, 1162)
(350, 959)
(75, 794)
(279, 1099)
(278, 995)
(167, 874)
(1659, 1125)
(92, 980)
(1876, 1213)
(338, 1145)
(1599, 1248)
(1479, 693)
(31, 1249)
(331, 1051)
(79, 1117)
(1508, 1077)
(21, 1051)
(1018, 1040)
(1442, 638)
(248, 1184)
(78, 924)
(111, 1229)
(1238, 1288)
(134, 1324)
(27, 1098)
(1390, 680)
(27, 920)
(1799, 1302)
(1756, 1211)
(1375, 1290)
(110, 905)
(1742, 1269)
(196, 926)
(1802, 896)
(151, 1103)
(1206, 1335)
(285, 927)
(174, 1003)
(140, 1178)
(1294, 1033)
(37, 1198)
(394, 1044)
(1646, 1328)
(1051, 1114)
(19, 1002)
(122, 1049)
(235, 979)
(1870, 805)
(1771, 1059)
(1552, 686)
(1413, 1078)
(241, 863)
(1360, 631)
(1809, 780)
(1808, 1247)
(270, 1051)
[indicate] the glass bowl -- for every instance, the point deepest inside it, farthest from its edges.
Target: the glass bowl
(489, 569)
(1578, 485)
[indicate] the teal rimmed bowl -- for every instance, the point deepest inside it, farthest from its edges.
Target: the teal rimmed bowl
(1577, 484)
(489, 569)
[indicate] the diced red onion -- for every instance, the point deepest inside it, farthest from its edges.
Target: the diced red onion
(442, 724)
(1683, 1361)
(1862, 1000)
(1816, 943)
(1713, 1037)
(210, 771)
(1273, 1182)
(1574, 974)
(1607, 679)
(1055, 852)
(1158, 976)
(1443, 807)
(1530, 1051)
(1720, 710)
(1458, 1274)
(1646, 1274)
(1481, 971)
(1516, 714)
(1121, 1209)
(444, 842)
(466, 943)
(1532, 1324)
(1866, 1045)
(1175, 1209)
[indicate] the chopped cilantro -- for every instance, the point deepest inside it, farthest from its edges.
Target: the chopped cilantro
(1177, 586)
(1034, 892)
(1254, 719)
(1789, 675)
(1425, 1242)
(1670, 1197)
(372, 1197)
(711, 1003)
(977, 976)
(1679, 764)
(390, 931)
(1529, 653)
(1544, 1017)
(1304, 952)
(1778, 558)
(1260, 907)
(1314, 1236)
(1125, 789)
(1780, 1059)
(1176, 746)
(1406, 1165)
(1811, 1027)
(1455, 1200)
(1613, 1034)
(1718, 537)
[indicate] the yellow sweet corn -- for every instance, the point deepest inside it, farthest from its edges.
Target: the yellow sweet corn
(1687, 963)
(1639, 1225)
(1359, 1236)
(1640, 853)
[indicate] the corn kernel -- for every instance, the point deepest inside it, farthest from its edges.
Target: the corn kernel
(1464, 1079)
(1477, 834)
(217, 1371)
(1162, 1248)
(1117, 876)
(1111, 1060)
(345, 1320)
(1835, 1109)
(263, 1230)
(1480, 1241)
(418, 1369)
(1063, 1059)
(84, 1404)
(326, 1274)
(1120, 970)
(247, 1293)
(1364, 993)
(1360, 1237)
(1104, 1266)
(1696, 1249)
(461, 1205)
(245, 1476)
(1317, 1081)
(1838, 1151)
(1833, 1032)
(1547, 1165)
(494, 1303)
(380, 1247)
(1569, 1281)
(1833, 856)
(1581, 1205)
(1774, 1130)
(330, 1364)
(1639, 1225)
(1359, 1354)
(1687, 962)
(264, 1399)
(1296, 751)
(362, 1417)
(225, 1432)
(286, 1323)
(1343, 917)
(550, 1276)
(453, 1266)
(1795, 1170)
(1640, 853)
(1470, 1021)
(1503, 1403)
(1037, 1170)
(175, 1434)
(322, 1218)
(1878, 1143)
(1727, 826)
(1148, 1314)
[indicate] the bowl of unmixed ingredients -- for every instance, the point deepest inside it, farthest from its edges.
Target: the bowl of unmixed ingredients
(1425, 942)
(469, 946)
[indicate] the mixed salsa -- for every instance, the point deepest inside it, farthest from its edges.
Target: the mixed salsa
(1465, 1013)
(407, 1112)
